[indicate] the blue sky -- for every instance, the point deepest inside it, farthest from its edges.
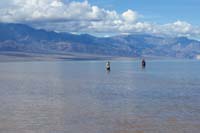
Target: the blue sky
(106, 17)
(157, 11)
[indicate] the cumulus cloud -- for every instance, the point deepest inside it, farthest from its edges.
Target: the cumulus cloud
(52, 10)
(130, 16)
(178, 28)
(82, 17)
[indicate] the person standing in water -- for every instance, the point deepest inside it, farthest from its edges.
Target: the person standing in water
(143, 63)
(108, 66)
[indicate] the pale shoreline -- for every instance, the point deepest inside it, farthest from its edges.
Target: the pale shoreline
(21, 56)
(27, 57)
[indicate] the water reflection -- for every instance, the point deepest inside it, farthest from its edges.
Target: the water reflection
(79, 97)
(108, 71)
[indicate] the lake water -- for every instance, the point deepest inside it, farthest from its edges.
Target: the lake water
(81, 97)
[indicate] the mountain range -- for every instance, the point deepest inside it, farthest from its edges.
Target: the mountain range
(23, 38)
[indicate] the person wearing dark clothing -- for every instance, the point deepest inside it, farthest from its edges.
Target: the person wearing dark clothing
(108, 66)
(143, 63)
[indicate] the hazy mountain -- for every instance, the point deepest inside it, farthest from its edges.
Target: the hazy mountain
(19, 37)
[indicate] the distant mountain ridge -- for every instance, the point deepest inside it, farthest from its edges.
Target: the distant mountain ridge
(20, 37)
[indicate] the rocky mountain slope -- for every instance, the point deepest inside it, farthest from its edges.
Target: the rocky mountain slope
(22, 38)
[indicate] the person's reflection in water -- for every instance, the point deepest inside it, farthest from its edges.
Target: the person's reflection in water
(108, 71)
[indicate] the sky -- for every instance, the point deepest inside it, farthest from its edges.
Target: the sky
(106, 17)
(159, 11)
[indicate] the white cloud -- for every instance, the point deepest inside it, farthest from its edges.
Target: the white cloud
(178, 28)
(82, 17)
(130, 16)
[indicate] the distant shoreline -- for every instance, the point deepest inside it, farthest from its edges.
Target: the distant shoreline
(27, 57)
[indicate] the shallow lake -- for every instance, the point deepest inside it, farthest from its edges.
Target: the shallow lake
(82, 97)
